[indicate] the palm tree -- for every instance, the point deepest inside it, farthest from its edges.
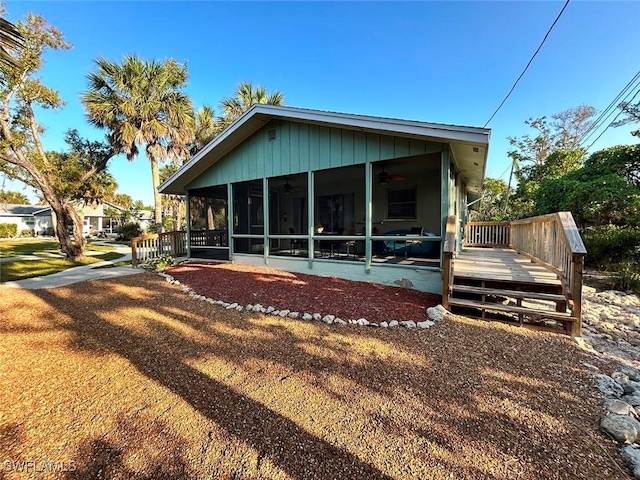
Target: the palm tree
(207, 128)
(244, 97)
(140, 104)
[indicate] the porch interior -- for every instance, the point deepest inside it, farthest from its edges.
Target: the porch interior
(405, 215)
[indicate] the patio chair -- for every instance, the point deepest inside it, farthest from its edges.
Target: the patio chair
(295, 243)
(414, 232)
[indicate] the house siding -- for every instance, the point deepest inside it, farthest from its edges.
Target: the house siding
(301, 147)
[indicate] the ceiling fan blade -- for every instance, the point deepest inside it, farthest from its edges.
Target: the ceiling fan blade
(397, 178)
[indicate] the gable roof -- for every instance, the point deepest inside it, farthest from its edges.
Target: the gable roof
(469, 144)
(18, 210)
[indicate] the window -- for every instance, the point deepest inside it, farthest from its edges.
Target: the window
(402, 203)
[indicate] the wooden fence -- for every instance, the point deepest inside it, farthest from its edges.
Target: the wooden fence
(152, 246)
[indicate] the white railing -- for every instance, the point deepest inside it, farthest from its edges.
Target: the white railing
(148, 247)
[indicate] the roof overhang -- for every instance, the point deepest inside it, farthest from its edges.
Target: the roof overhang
(469, 145)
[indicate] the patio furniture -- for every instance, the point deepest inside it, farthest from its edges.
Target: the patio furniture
(414, 232)
(296, 243)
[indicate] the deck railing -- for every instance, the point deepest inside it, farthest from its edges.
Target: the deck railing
(148, 247)
(551, 240)
(487, 234)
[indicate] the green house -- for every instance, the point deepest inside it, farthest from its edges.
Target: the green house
(352, 196)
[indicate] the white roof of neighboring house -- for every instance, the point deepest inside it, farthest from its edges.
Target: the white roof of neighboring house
(469, 144)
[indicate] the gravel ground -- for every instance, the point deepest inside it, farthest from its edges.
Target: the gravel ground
(132, 379)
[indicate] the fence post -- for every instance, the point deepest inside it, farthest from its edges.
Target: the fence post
(174, 246)
(134, 253)
(577, 267)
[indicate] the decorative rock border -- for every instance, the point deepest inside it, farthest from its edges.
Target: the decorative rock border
(622, 411)
(436, 314)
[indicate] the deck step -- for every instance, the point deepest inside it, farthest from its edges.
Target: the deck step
(561, 316)
(508, 293)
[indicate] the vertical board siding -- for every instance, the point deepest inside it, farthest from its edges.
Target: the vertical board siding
(335, 143)
(283, 166)
(301, 147)
(347, 154)
(324, 141)
(402, 147)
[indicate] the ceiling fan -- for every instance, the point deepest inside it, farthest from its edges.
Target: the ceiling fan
(384, 177)
(287, 188)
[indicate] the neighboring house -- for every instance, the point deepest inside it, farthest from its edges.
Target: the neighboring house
(326, 193)
(38, 217)
(27, 217)
(96, 219)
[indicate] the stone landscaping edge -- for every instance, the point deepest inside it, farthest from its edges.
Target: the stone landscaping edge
(436, 314)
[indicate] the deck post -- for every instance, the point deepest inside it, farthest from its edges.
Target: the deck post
(187, 200)
(575, 329)
(446, 278)
(230, 222)
(448, 249)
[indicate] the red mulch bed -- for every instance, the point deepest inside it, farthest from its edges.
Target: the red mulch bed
(346, 299)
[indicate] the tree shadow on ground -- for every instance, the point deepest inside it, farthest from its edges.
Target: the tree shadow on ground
(495, 365)
(273, 436)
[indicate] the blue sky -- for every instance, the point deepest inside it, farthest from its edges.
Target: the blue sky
(449, 62)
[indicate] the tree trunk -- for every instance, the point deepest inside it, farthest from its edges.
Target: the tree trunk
(157, 198)
(211, 224)
(65, 214)
(176, 213)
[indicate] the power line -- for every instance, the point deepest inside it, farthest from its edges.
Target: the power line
(597, 123)
(613, 121)
(528, 64)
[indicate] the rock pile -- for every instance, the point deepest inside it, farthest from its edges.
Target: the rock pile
(622, 410)
(611, 322)
(435, 314)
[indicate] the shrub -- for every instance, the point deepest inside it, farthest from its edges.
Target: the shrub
(27, 232)
(609, 246)
(160, 263)
(8, 230)
(627, 277)
(48, 232)
(128, 231)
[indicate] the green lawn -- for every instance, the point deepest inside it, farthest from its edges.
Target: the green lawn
(22, 269)
(13, 248)
(99, 248)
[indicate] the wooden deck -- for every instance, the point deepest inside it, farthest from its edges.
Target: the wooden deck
(493, 283)
(503, 265)
(527, 272)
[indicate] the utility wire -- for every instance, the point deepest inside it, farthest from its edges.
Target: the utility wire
(528, 64)
(597, 123)
(613, 121)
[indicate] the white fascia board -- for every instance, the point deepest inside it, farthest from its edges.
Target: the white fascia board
(40, 211)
